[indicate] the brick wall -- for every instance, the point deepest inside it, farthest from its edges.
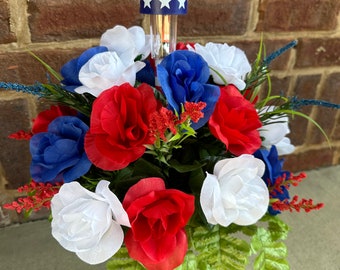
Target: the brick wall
(57, 30)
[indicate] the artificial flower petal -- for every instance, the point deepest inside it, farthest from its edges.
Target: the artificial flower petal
(225, 61)
(235, 122)
(183, 76)
(58, 155)
(86, 223)
(274, 132)
(107, 69)
(158, 216)
(120, 39)
(235, 193)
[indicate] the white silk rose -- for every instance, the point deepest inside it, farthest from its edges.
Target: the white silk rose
(88, 223)
(120, 40)
(228, 62)
(274, 132)
(107, 69)
(117, 65)
(235, 192)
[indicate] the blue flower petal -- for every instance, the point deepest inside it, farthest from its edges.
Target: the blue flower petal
(50, 160)
(70, 71)
(183, 76)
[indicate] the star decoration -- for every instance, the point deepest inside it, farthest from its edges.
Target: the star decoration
(165, 3)
(181, 3)
(147, 3)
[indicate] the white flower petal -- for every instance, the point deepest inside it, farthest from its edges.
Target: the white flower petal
(142, 41)
(117, 39)
(284, 147)
(109, 244)
(254, 203)
(118, 211)
(227, 61)
(235, 193)
(208, 194)
(274, 132)
(107, 69)
(120, 39)
(88, 223)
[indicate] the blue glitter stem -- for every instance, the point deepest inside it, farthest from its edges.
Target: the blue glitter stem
(36, 89)
(297, 103)
(277, 53)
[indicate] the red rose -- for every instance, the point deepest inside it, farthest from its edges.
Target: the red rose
(119, 126)
(183, 45)
(235, 122)
(44, 118)
(158, 216)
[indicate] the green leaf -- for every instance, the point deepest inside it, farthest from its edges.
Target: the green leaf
(48, 67)
(183, 168)
(142, 167)
(189, 262)
(267, 244)
(122, 261)
(215, 249)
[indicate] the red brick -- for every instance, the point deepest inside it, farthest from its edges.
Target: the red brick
(279, 86)
(23, 68)
(336, 131)
(251, 49)
(318, 52)
(309, 159)
(58, 20)
(6, 36)
(14, 155)
(215, 17)
(326, 117)
(297, 15)
(305, 87)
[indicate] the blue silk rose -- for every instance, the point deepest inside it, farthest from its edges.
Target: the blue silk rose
(58, 155)
(272, 173)
(183, 76)
(70, 71)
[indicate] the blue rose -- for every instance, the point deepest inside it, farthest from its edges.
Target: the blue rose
(58, 155)
(272, 173)
(70, 71)
(183, 76)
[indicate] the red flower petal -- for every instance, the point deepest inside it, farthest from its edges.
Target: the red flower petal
(157, 216)
(143, 187)
(119, 126)
(137, 252)
(44, 118)
(235, 122)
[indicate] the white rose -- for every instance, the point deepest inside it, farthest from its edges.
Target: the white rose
(274, 132)
(235, 193)
(227, 61)
(120, 39)
(107, 69)
(88, 223)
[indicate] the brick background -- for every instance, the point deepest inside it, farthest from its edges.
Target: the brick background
(297, 15)
(213, 18)
(6, 35)
(58, 30)
(61, 20)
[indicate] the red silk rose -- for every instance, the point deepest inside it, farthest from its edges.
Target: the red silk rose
(183, 45)
(235, 122)
(158, 216)
(44, 118)
(119, 126)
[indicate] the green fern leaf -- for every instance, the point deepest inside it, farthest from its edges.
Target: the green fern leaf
(267, 244)
(216, 248)
(122, 261)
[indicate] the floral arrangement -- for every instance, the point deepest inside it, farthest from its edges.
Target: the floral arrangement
(179, 172)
